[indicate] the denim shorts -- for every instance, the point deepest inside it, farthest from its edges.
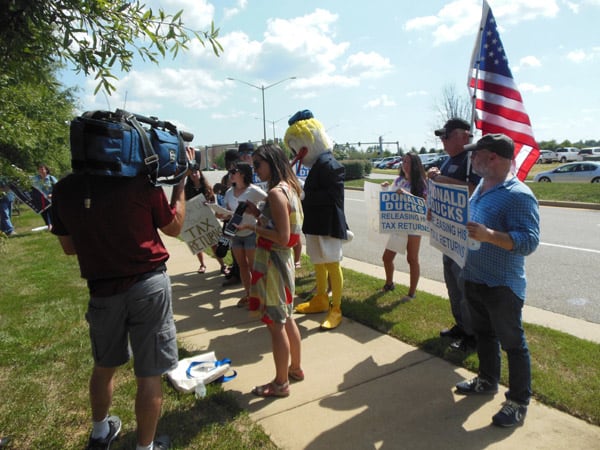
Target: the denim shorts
(246, 242)
(140, 319)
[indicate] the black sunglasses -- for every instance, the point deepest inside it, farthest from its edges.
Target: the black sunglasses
(233, 171)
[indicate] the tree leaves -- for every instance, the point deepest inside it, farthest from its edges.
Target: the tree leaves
(92, 35)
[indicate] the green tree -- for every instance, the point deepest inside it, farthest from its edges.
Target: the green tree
(37, 38)
(34, 123)
(93, 35)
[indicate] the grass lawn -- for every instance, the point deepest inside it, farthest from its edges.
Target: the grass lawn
(45, 362)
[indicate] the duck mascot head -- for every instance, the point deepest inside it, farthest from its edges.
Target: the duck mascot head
(324, 224)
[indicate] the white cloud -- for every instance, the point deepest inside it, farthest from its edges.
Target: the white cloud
(309, 38)
(419, 23)
(574, 7)
(417, 93)
(367, 65)
(580, 55)
(529, 61)
(460, 18)
(197, 14)
(577, 56)
(240, 53)
(382, 100)
(231, 12)
(529, 87)
(189, 88)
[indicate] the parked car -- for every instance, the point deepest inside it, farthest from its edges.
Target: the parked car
(565, 154)
(396, 165)
(436, 161)
(383, 163)
(589, 151)
(389, 164)
(577, 172)
(547, 156)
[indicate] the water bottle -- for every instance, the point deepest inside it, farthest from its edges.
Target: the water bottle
(200, 391)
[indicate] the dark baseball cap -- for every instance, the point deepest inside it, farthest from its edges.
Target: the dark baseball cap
(453, 124)
(246, 147)
(497, 143)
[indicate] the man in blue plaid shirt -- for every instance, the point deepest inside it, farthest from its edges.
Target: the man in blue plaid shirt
(505, 220)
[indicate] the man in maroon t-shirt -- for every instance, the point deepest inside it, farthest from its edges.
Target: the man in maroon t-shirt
(112, 225)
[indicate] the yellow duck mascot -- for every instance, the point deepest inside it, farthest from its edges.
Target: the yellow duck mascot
(324, 227)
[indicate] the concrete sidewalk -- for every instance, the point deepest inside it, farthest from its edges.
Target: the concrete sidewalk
(363, 389)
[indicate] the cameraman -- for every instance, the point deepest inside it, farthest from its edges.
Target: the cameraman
(112, 224)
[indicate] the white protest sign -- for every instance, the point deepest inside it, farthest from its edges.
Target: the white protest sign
(201, 229)
(449, 207)
(402, 213)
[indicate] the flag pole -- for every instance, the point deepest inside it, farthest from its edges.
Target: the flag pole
(476, 61)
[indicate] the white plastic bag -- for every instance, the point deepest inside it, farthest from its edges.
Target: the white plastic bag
(199, 369)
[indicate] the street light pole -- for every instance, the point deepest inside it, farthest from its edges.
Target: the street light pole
(262, 88)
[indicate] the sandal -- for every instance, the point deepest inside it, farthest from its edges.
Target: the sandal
(388, 287)
(225, 270)
(295, 374)
(243, 301)
(272, 389)
(202, 269)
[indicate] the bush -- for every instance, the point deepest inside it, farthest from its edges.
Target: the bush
(355, 169)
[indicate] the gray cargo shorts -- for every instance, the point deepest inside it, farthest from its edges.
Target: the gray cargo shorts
(143, 317)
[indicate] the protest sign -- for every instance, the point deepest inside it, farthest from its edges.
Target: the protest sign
(201, 229)
(402, 213)
(449, 207)
(34, 198)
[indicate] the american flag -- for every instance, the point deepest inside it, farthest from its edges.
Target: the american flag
(498, 104)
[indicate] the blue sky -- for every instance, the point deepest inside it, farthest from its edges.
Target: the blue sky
(365, 69)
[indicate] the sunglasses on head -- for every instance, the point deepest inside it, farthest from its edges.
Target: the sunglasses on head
(233, 171)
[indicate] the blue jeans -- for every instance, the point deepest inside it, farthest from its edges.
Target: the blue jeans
(5, 214)
(456, 294)
(496, 321)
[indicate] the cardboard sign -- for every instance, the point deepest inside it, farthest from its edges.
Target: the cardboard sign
(201, 229)
(449, 206)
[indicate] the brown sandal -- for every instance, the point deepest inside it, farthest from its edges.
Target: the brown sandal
(272, 389)
(295, 374)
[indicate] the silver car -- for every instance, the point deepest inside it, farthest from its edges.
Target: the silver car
(547, 156)
(578, 172)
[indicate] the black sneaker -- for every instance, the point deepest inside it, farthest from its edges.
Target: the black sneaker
(477, 386)
(511, 414)
(162, 442)
(114, 425)
(466, 344)
(455, 332)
